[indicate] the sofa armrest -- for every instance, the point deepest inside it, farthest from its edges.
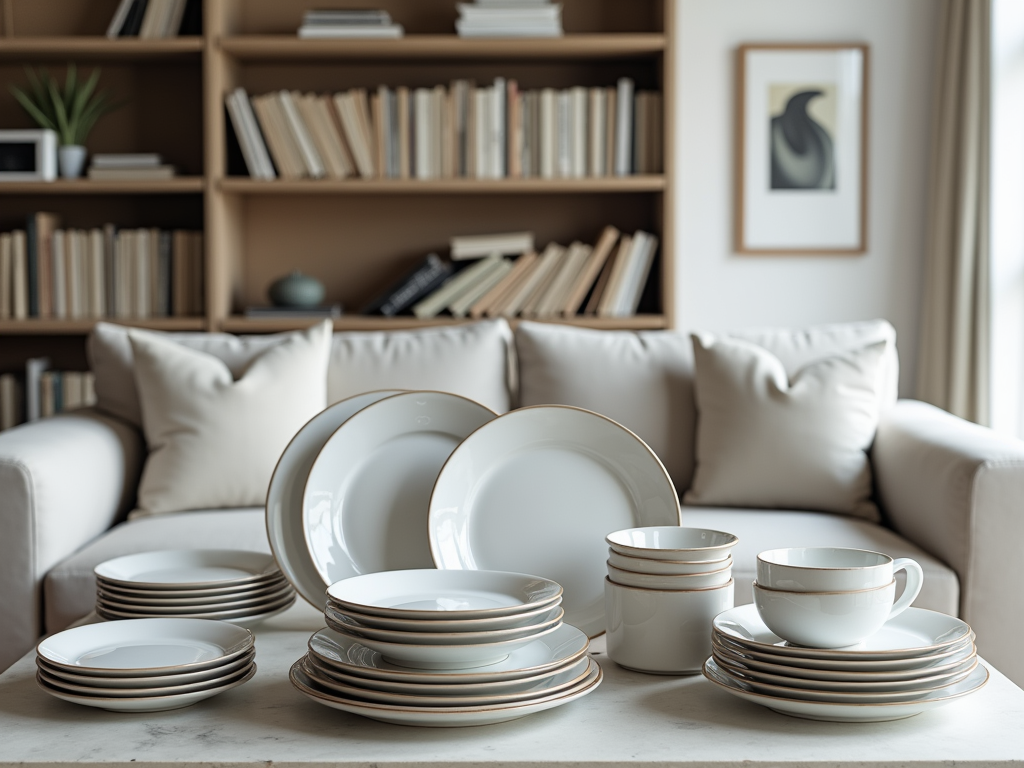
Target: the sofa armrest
(63, 481)
(957, 490)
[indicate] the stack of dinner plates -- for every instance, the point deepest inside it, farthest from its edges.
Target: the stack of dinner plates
(145, 665)
(919, 660)
(228, 585)
(446, 648)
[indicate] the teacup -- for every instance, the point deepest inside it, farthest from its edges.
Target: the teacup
(830, 619)
(832, 569)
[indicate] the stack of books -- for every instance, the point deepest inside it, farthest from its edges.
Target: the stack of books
(509, 18)
(129, 167)
(44, 393)
(50, 272)
(463, 131)
(153, 19)
(348, 24)
(606, 279)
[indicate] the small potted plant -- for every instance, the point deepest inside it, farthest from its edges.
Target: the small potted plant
(71, 111)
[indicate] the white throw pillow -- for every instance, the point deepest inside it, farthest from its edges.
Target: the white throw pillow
(213, 440)
(767, 440)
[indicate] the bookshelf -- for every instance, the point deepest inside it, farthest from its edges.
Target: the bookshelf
(354, 235)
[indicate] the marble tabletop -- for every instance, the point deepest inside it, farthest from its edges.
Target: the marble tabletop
(632, 718)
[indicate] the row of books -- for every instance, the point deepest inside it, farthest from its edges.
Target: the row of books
(155, 19)
(135, 166)
(49, 272)
(479, 279)
(43, 393)
(509, 18)
(462, 131)
(354, 24)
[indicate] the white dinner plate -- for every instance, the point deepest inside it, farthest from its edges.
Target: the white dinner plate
(911, 634)
(126, 693)
(145, 647)
(186, 678)
(442, 717)
(178, 568)
(148, 703)
(566, 679)
(180, 597)
(449, 625)
(431, 594)
(799, 683)
(141, 612)
(778, 666)
(564, 646)
(537, 490)
(344, 623)
(849, 713)
(443, 688)
(225, 604)
(284, 497)
(365, 500)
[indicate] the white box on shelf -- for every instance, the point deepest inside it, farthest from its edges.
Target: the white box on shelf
(28, 155)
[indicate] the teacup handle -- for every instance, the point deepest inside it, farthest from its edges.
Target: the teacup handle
(915, 580)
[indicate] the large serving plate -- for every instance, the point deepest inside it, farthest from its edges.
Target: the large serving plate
(914, 633)
(185, 678)
(564, 646)
(442, 717)
(177, 568)
(344, 623)
(365, 499)
(447, 625)
(564, 680)
(146, 647)
(537, 489)
(284, 497)
(849, 713)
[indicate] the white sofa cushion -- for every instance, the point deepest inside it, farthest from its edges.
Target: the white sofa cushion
(644, 379)
(768, 440)
(213, 440)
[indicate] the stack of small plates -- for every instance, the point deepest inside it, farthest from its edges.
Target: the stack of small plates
(446, 648)
(145, 665)
(229, 585)
(919, 660)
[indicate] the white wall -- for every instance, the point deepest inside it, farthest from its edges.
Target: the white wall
(717, 289)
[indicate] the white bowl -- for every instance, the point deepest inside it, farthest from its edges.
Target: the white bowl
(666, 567)
(345, 623)
(663, 632)
(827, 569)
(671, 542)
(654, 581)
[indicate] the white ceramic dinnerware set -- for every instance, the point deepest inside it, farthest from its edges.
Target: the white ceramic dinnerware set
(235, 586)
(664, 586)
(826, 640)
(446, 648)
(145, 665)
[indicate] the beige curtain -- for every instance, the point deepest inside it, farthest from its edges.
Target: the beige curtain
(953, 362)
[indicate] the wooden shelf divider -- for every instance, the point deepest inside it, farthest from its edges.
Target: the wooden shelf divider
(37, 326)
(88, 47)
(181, 185)
(238, 324)
(246, 186)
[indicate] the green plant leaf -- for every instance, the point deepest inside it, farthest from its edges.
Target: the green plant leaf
(40, 93)
(82, 97)
(34, 112)
(67, 135)
(70, 85)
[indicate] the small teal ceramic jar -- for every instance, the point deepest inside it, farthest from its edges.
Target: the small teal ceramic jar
(296, 290)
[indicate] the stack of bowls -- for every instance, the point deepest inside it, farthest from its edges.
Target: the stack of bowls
(665, 584)
(236, 586)
(145, 665)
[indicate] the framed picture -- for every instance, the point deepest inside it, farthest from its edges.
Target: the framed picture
(802, 149)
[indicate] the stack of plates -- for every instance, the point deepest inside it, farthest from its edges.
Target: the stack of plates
(229, 585)
(919, 660)
(145, 665)
(446, 648)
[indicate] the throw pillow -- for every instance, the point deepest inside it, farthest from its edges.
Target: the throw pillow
(213, 440)
(767, 440)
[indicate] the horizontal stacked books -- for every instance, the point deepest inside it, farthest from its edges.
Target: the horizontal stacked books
(462, 131)
(509, 18)
(49, 272)
(133, 167)
(336, 24)
(43, 393)
(154, 19)
(604, 280)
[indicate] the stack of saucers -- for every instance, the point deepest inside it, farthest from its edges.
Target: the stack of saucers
(229, 585)
(664, 585)
(145, 665)
(917, 661)
(445, 648)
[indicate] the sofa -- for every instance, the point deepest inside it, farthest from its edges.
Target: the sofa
(951, 493)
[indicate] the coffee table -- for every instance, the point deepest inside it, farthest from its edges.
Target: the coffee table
(631, 718)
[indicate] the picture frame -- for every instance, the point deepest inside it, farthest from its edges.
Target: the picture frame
(28, 155)
(802, 149)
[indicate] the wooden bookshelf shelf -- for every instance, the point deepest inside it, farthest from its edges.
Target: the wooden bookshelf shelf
(246, 186)
(289, 47)
(179, 186)
(54, 327)
(237, 324)
(98, 48)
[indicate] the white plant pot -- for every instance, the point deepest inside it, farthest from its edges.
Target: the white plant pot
(71, 159)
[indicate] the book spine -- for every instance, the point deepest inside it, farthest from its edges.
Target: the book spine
(32, 245)
(624, 127)
(6, 274)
